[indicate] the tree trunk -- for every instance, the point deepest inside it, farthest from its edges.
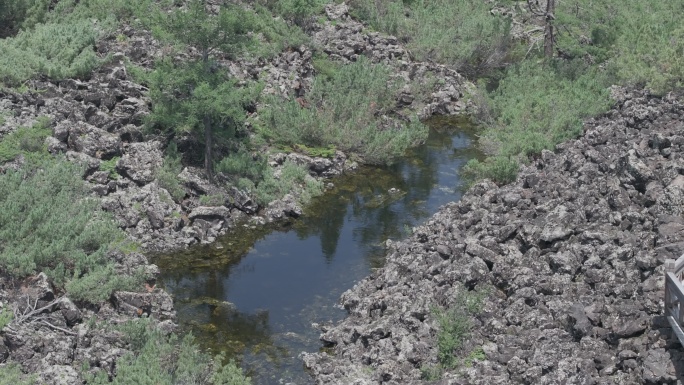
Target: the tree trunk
(548, 30)
(208, 166)
(207, 147)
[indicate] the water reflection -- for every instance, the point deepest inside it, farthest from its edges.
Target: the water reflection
(256, 292)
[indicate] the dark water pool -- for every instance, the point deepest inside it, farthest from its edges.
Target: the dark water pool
(255, 293)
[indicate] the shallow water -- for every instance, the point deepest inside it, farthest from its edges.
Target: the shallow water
(256, 292)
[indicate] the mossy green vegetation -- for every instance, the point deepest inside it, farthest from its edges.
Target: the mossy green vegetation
(274, 184)
(534, 103)
(536, 106)
(542, 102)
(341, 111)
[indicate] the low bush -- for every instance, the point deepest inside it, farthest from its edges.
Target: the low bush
(162, 360)
(343, 111)
(49, 223)
(57, 50)
(10, 374)
(6, 316)
(167, 174)
(29, 141)
(292, 179)
(242, 164)
(536, 106)
(110, 167)
(454, 329)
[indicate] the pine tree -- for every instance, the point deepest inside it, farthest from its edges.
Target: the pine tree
(198, 96)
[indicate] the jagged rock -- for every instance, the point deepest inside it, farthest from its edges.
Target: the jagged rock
(571, 252)
(93, 141)
(90, 164)
(140, 161)
(242, 201)
(210, 212)
(59, 375)
(157, 304)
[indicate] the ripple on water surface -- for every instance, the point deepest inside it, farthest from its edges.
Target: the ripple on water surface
(255, 293)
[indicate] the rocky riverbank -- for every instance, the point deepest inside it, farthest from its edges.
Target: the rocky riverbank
(571, 255)
(98, 122)
(101, 119)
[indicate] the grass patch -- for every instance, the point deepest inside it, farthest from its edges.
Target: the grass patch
(10, 374)
(343, 112)
(462, 33)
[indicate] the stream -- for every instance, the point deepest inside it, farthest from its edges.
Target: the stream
(258, 293)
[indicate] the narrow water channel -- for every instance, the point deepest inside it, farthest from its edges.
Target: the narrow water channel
(256, 292)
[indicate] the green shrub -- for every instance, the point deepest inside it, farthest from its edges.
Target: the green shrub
(650, 47)
(6, 316)
(110, 167)
(242, 164)
(10, 374)
(29, 141)
(462, 33)
(325, 67)
(97, 284)
(49, 223)
(167, 174)
(292, 179)
(12, 14)
(454, 329)
(536, 106)
(161, 360)
(299, 11)
(57, 50)
(499, 169)
(342, 112)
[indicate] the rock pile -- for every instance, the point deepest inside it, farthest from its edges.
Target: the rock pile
(53, 338)
(571, 253)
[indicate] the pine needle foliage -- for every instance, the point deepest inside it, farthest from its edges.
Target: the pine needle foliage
(57, 50)
(29, 141)
(167, 360)
(343, 111)
(48, 223)
(536, 106)
(10, 374)
(198, 96)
